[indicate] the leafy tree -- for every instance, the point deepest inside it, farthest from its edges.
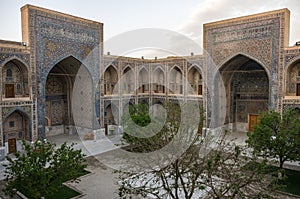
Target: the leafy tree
(277, 136)
(145, 133)
(41, 169)
(208, 168)
(139, 113)
(225, 172)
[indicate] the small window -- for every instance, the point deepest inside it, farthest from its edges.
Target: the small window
(298, 72)
(11, 124)
(9, 73)
(20, 135)
(19, 91)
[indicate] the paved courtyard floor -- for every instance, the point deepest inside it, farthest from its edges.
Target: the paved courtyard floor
(101, 183)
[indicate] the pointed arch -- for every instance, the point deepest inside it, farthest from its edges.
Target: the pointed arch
(128, 80)
(127, 68)
(16, 126)
(110, 80)
(67, 80)
(197, 67)
(63, 58)
(14, 110)
(111, 65)
(246, 90)
(143, 68)
(292, 78)
(15, 58)
(159, 67)
(176, 80)
(195, 81)
(159, 80)
(15, 79)
(143, 81)
(241, 54)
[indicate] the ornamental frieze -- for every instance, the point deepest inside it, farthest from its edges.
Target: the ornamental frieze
(5, 56)
(261, 49)
(241, 34)
(55, 31)
(7, 110)
(291, 56)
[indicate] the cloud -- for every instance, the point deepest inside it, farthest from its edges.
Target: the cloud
(215, 10)
(150, 43)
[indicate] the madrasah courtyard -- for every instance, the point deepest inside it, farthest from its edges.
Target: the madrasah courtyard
(258, 69)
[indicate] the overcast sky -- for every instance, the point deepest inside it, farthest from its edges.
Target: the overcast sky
(184, 16)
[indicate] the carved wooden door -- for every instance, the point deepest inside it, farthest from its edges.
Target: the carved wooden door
(12, 146)
(252, 121)
(9, 90)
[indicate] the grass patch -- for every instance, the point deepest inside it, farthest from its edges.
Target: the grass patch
(63, 191)
(291, 183)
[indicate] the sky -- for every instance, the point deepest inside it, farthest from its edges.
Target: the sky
(185, 17)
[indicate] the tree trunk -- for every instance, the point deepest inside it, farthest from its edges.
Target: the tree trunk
(281, 164)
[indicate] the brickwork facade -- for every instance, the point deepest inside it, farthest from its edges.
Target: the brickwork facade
(257, 67)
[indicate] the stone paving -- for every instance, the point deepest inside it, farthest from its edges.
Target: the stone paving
(101, 183)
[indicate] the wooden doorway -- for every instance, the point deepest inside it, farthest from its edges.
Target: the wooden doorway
(298, 90)
(12, 146)
(105, 85)
(143, 88)
(106, 129)
(9, 90)
(199, 89)
(252, 121)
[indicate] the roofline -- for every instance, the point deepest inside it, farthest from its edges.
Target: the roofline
(29, 6)
(245, 17)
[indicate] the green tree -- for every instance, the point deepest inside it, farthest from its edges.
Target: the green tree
(225, 172)
(277, 136)
(41, 168)
(208, 168)
(139, 113)
(144, 133)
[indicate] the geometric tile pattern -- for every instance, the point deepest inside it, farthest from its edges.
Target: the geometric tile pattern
(52, 37)
(55, 37)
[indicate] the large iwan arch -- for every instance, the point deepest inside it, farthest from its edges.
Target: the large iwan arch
(247, 88)
(68, 95)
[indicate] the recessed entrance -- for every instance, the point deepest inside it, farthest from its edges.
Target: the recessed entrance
(60, 91)
(16, 127)
(15, 79)
(247, 91)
